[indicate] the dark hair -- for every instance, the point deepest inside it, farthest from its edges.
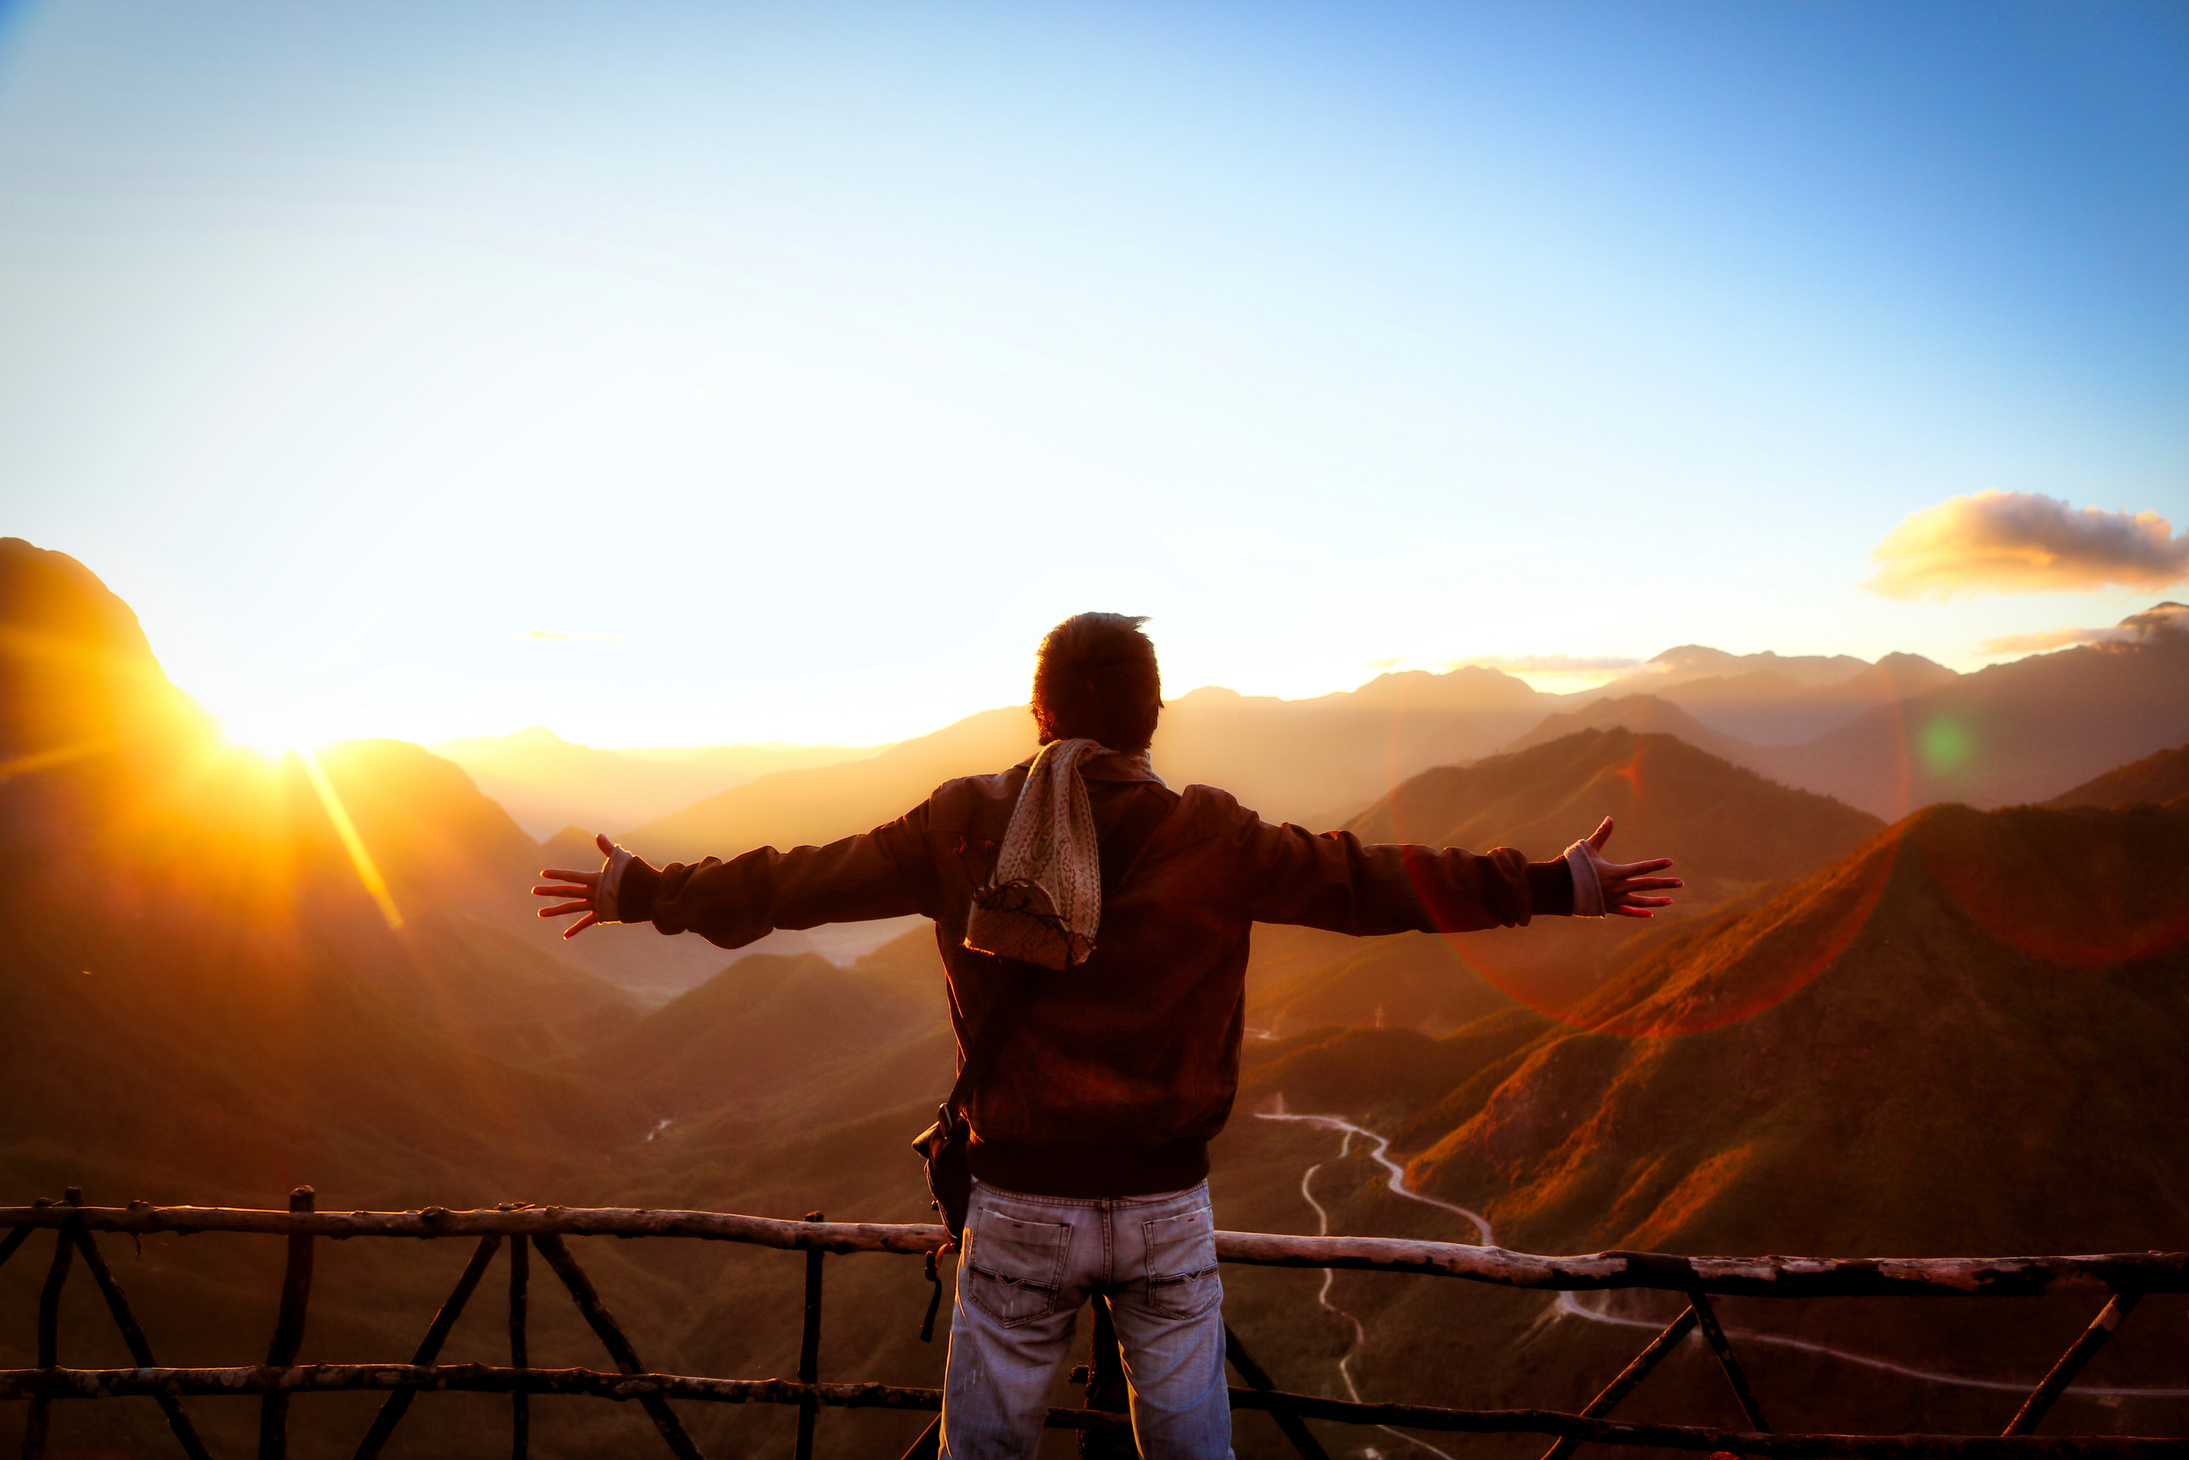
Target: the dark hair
(1096, 677)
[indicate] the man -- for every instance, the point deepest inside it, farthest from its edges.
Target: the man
(1102, 919)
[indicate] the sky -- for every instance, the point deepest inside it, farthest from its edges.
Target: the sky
(699, 374)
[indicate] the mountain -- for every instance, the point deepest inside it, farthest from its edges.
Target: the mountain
(1728, 831)
(2154, 780)
(2012, 733)
(1769, 707)
(192, 943)
(1315, 760)
(1692, 663)
(546, 783)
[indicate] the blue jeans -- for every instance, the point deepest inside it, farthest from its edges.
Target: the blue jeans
(1029, 1265)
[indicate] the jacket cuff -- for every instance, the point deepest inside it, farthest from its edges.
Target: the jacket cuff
(635, 892)
(1550, 889)
(1588, 889)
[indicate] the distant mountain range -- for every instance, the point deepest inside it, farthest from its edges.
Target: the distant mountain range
(546, 783)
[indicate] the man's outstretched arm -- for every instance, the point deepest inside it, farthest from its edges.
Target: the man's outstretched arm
(1338, 882)
(883, 873)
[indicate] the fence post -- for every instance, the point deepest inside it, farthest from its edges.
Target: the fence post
(35, 1424)
(1105, 1388)
(520, 1401)
(809, 1347)
(296, 1294)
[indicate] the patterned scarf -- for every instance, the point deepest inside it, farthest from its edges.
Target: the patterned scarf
(1045, 901)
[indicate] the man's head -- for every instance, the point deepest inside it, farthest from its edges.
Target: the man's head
(1096, 678)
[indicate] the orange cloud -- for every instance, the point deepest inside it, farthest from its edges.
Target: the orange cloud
(2025, 542)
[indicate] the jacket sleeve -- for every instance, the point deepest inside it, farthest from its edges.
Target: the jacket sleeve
(884, 873)
(1335, 881)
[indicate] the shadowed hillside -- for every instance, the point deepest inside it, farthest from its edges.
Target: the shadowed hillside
(2154, 780)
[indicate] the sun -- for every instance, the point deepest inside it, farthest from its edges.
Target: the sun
(269, 727)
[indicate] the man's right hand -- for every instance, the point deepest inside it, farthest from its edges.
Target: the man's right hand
(1625, 883)
(578, 887)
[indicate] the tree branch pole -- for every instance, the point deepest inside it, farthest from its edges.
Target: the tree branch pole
(2086, 1344)
(809, 1345)
(1760, 1277)
(140, 1348)
(296, 1296)
(611, 1335)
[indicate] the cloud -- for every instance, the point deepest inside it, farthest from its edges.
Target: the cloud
(2161, 618)
(549, 634)
(2049, 639)
(2025, 542)
(1545, 663)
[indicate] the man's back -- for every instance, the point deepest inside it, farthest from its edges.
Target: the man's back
(1120, 1070)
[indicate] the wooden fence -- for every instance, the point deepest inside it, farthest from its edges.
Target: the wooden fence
(2123, 1279)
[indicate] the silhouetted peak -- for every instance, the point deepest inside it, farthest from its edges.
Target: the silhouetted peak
(77, 676)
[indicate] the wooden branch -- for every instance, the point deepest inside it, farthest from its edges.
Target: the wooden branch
(1294, 1428)
(2079, 1353)
(429, 1347)
(1760, 1277)
(809, 1347)
(296, 1295)
(520, 1403)
(612, 1337)
(337, 1378)
(140, 1347)
(38, 1422)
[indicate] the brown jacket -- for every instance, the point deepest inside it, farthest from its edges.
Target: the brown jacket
(1122, 1068)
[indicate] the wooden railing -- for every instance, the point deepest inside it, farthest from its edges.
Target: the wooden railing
(2124, 1278)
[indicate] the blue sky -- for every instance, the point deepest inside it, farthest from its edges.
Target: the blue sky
(802, 364)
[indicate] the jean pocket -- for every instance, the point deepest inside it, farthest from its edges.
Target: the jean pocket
(1014, 1268)
(1182, 1280)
